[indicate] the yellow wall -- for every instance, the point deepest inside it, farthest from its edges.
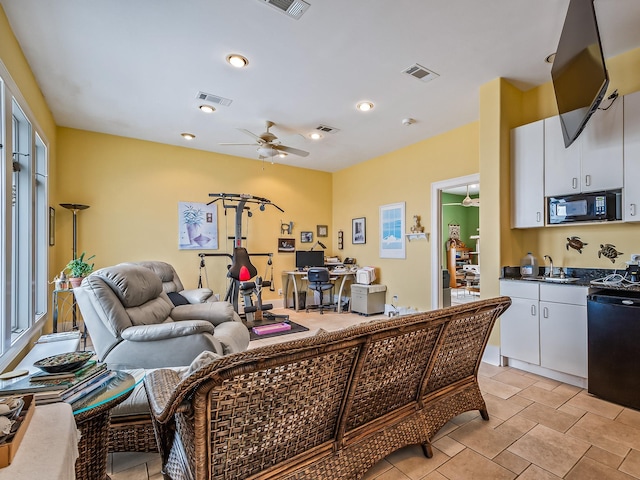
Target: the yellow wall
(133, 188)
(401, 176)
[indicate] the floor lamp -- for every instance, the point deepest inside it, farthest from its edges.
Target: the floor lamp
(75, 208)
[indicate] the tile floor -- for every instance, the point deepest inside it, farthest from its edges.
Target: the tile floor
(539, 429)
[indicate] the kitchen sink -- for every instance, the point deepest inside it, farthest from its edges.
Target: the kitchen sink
(560, 279)
(552, 279)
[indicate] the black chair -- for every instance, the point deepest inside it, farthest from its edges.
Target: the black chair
(320, 281)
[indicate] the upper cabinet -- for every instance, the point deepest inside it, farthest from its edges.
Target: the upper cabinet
(631, 194)
(593, 162)
(527, 176)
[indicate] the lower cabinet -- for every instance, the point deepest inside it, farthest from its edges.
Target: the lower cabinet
(546, 325)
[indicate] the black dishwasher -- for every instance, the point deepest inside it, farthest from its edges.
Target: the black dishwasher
(614, 346)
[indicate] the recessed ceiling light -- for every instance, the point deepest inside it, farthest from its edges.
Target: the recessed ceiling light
(364, 106)
(550, 58)
(237, 60)
(315, 136)
(207, 108)
(188, 136)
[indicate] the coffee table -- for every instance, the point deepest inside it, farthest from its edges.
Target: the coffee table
(93, 416)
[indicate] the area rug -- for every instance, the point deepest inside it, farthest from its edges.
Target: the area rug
(295, 328)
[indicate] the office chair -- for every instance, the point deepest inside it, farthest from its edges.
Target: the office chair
(320, 281)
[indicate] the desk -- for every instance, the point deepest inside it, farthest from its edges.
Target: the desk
(49, 448)
(294, 275)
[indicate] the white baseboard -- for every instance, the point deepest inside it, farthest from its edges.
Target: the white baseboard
(546, 372)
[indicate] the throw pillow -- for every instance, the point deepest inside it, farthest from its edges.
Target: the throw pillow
(177, 299)
(202, 360)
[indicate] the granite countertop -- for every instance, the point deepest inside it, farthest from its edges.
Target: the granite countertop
(606, 279)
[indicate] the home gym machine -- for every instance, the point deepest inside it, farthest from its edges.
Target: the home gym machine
(241, 270)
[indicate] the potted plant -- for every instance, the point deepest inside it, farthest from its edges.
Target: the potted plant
(78, 268)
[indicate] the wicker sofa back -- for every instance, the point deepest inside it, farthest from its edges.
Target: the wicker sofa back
(328, 406)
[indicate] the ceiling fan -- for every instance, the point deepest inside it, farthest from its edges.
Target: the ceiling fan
(466, 201)
(268, 144)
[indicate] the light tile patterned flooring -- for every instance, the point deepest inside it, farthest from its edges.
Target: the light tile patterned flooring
(539, 429)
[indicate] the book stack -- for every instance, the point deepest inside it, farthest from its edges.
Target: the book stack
(60, 387)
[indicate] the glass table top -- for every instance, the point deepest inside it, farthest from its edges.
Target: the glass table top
(122, 383)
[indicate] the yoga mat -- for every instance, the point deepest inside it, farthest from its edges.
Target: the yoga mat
(295, 328)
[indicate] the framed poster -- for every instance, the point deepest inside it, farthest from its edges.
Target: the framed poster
(322, 230)
(197, 226)
(392, 231)
(52, 226)
(286, 244)
(359, 230)
(306, 237)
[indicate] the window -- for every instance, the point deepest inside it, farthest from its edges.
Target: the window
(24, 218)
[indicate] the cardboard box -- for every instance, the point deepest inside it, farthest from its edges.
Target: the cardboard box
(8, 450)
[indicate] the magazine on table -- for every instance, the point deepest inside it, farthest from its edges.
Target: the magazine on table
(42, 384)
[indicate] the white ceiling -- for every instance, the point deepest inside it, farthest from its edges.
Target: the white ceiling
(134, 67)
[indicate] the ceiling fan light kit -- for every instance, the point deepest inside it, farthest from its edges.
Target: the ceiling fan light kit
(268, 144)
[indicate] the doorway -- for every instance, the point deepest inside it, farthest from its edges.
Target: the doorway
(441, 293)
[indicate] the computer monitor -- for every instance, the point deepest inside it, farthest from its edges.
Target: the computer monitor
(309, 258)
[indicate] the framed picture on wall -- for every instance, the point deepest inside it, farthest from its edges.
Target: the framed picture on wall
(286, 244)
(392, 231)
(52, 226)
(306, 237)
(322, 230)
(359, 230)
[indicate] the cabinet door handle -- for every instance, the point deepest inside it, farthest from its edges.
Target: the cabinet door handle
(533, 310)
(538, 216)
(574, 182)
(587, 180)
(632, 209)
(545, 312)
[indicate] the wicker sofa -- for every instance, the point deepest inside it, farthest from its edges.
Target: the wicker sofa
(328, 406)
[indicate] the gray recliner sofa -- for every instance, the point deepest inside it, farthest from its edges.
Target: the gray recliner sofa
(132, 322)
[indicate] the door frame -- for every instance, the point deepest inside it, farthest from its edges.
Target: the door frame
(436, 231)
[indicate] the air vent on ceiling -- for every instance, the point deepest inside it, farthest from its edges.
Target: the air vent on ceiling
(292, 8)
(207, 97)
(327, 129)
(421, 73)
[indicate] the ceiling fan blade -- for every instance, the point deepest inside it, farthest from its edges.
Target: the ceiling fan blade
(295, 151)
(452, 204)
(253, 144)
(256, 137)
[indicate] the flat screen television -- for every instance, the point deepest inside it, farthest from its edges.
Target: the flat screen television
(309, 258)
(579, 73)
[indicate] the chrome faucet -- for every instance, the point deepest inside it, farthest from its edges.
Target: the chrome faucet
(547, 257)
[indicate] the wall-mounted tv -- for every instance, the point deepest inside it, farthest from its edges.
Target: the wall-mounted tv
(579, 73)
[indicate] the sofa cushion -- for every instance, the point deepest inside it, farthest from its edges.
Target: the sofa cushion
(133, 285)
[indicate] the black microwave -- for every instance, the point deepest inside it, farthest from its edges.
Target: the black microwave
(585, 207)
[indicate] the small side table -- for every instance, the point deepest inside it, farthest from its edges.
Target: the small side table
(93, 417)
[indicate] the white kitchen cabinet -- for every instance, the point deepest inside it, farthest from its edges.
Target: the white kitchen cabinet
(545, 326)
(519, 324)
(563, 328)
(594, 162)
(631, 192)
(527, 176)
